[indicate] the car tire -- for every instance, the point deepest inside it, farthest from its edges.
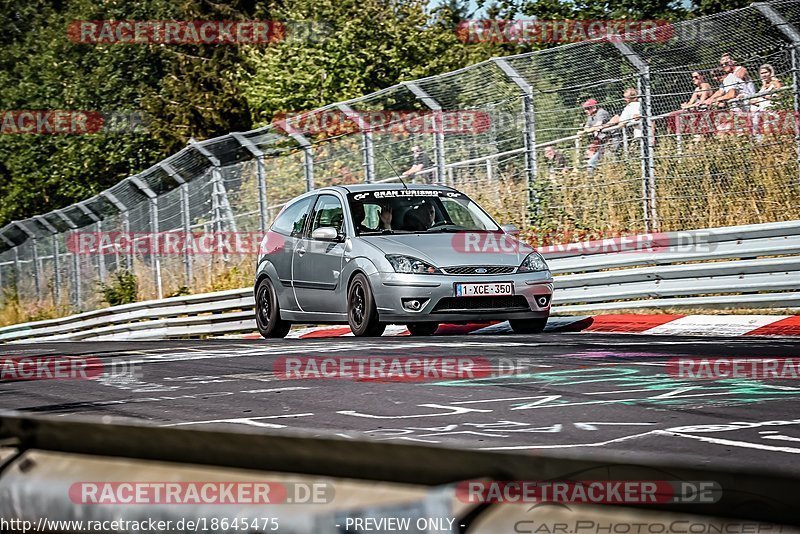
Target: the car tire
(268, 313)
(422, 329)
(362, 313)
(528, 326)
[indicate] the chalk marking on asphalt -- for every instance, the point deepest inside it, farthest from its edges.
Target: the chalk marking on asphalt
(249, 421)
(781, 437)
(454, 410)
(545, 398)
(570, 445)
(272, 390)
(729, 442)
(594, 425)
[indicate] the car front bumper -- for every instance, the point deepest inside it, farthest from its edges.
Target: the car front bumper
(436, 293)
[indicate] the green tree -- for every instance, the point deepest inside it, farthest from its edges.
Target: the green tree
(354, 47)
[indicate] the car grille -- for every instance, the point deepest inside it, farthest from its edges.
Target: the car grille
(486, 269)
(489, 303)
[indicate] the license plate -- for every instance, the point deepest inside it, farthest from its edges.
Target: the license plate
(482, 290)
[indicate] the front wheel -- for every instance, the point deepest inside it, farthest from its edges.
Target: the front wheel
(362, 313)
(422, 329)
(528, 326)
(268, 313)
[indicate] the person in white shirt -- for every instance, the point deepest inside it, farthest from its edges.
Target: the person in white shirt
(631, 113)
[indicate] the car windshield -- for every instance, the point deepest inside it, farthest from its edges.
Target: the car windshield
(417, 210)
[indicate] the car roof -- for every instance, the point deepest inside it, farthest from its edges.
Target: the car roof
(358, 188)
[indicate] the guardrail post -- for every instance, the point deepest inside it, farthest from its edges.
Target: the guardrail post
(56, 260)
(529, 132)
(126, 225)
(647, 149)
(367, 144)
(788, 30)
(185, 218)
(260, 178)
(76, 263)
(36, 272)
(438, 127)
(144, 188)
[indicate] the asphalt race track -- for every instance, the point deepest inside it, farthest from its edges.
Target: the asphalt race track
(575, 391)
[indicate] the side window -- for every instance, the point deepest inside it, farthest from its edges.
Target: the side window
(293, 218)
(328, 212)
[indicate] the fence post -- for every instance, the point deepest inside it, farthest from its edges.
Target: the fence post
(260, 178)
(219, 195)
(438, 127)
(76, 263)
(56, 261)
(185, 218)
(788, 30)
(36, 273)
(13, 247)
(647, 149)
(367, 144)
(529, 133)
(101, 262)
(144, 188)
(126, 224)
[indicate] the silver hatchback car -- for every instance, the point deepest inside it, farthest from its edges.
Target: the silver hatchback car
(370, 255)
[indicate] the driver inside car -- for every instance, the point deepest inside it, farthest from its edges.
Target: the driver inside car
(421, 217)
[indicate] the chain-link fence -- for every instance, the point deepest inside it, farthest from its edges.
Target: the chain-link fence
(508, 131)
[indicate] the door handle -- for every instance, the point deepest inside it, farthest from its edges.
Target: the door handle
(301, 251)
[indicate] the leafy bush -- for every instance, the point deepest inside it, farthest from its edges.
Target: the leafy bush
(122, 290)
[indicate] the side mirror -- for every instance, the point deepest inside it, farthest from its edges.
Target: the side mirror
(325, 233)
(510, 229)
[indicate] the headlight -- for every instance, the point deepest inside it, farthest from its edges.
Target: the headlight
(533, 262)
(411, 265)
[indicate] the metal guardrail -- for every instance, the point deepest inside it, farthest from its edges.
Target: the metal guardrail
(756, 266)
(742, 492)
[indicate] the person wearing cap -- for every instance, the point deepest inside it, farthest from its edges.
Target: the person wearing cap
(596, 119)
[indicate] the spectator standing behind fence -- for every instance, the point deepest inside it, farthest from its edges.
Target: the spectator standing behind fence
(420, 161)
(745, 87)
(596, 120)
(769, 84)
(730, 87)
(701, 92)
(555, 161)
(631, 113)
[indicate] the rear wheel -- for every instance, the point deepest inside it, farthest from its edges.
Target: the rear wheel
(268, 313)
(528, 326)
(362, 314)
(422, 329)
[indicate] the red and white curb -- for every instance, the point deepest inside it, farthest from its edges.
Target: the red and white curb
(675, 325)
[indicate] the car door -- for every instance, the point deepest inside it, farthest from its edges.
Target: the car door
(281, 242)
(318, 263)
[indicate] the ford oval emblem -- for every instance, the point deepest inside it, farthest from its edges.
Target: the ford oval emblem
(480, 270)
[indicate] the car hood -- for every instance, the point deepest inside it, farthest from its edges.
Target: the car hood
(451, 249)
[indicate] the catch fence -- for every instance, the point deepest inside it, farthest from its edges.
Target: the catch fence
(506, 131)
